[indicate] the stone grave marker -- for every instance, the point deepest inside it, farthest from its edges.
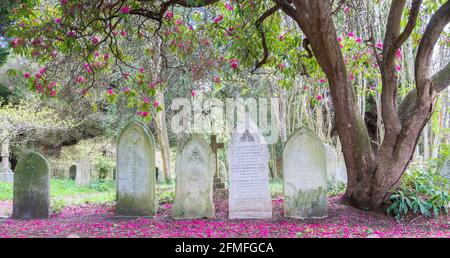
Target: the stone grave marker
(32, 188)
(72, 172)
(305, 176)
(136, 175)
(194, 170)
(83, 175)
(248, 159)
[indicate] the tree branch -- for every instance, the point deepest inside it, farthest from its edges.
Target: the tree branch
(441, 79)
(258, 25)
(412, 20)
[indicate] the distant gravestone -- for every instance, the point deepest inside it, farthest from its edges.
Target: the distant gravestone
(195, 171)
(445, 171)
(31, 198)
(136, 176)
(83, 173)
(331, 164)
(341, 173)
(248, 158)
(305, 176)
(72, 172)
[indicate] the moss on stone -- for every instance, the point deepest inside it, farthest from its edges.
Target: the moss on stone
(308, 204)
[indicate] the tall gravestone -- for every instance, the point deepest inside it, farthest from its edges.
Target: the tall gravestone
(331, 164)
(31, 198)
(445, 171)
(195, 169)
(305, 176)
(136, 176)
(83, 175)
(248, 158)
(72, 172)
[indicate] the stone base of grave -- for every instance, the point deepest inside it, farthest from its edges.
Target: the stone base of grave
(7, 177)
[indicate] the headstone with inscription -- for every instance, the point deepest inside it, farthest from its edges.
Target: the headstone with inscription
(194, 170)
(445, 171)
(331, 164)
(305, 176)
(248, 158)
(136, 175)
(31, 193)
(83, 174)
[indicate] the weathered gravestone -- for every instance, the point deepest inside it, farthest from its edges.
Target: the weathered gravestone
(72, 172)
(6, 174)
(305, 176)
(341, 173)
(83, 174)
(136, 176)
(248, 158)
(194, 181)
(331, 164)
(31, 198)
(445, 171)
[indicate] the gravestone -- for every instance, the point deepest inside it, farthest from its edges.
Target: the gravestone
(194, 181)
(136, 176)
(341, 173)
(445, 171)
(331, 164)
(248, 159)
(72, 172)
(6, 174)
(305, 176)
(83, 173)
(31, 192)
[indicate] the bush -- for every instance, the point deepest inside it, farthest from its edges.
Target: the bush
(101, 185)
(420, 192)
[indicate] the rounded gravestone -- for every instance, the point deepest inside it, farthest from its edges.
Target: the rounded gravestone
(83, 175)
(305, 176)
(194, 181)
(72, 172)
(331, 164)
(31, 188)
(136, 176)
(248, 159)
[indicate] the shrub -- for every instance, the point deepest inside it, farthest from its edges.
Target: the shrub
(420, 192)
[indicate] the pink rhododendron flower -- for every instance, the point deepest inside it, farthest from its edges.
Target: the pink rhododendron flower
(63, 2)
(126, 90)
(339, 39)
(80, 79)
(146, 100)
(39, 86)
(228, 6)
(398, 68)
(398, 53)
(57, 20)
(125, 10)
(126, 75)
(193, 93)
(143, 113)
(359, 40)
(38, 76)
(26, 75)
(155, 104)
(96, 54)
(42, 70)
(218, 19)
(152, 85)
(110, 91)
(351, 34)
(216, 79)
(234, 63)
(54, 53)
(53, 93)
(322, 80)
(281, 37)
(95, 40)
(352, 77)
(51, 85)
(141, 70)
(123, 33)
(106, 56)
(379, 45)
(281, 67)
(71, 33)
(169, 15)
(178, 22)
(319, 97)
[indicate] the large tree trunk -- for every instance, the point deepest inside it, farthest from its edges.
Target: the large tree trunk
(163, 138)
(371, 175)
